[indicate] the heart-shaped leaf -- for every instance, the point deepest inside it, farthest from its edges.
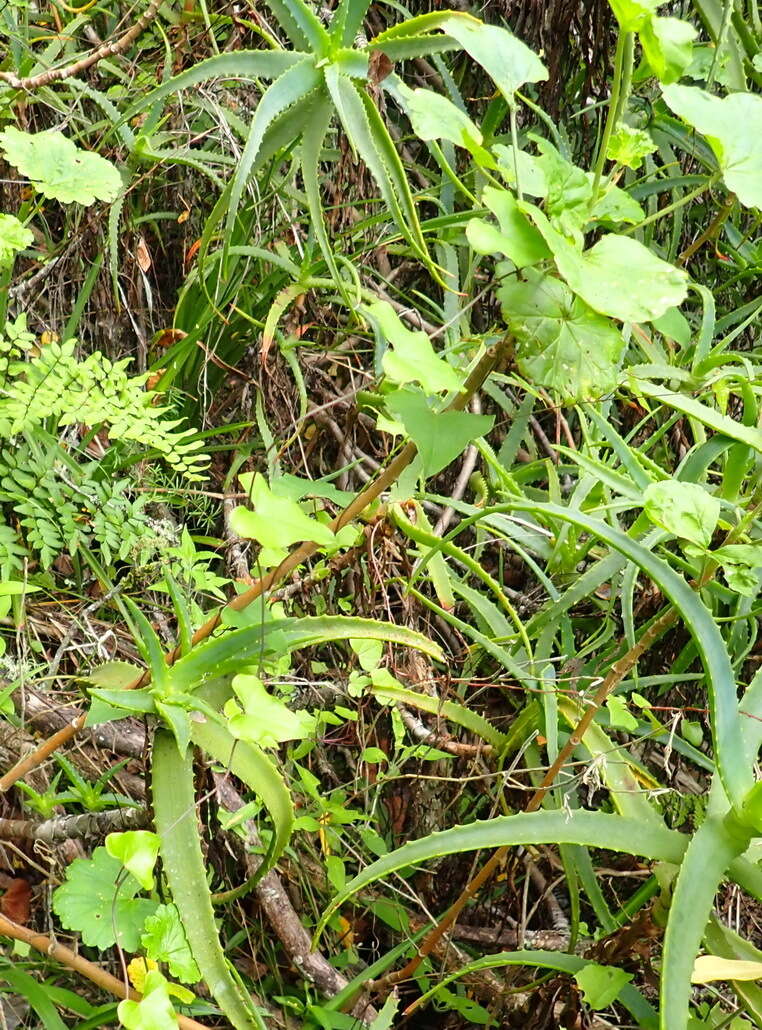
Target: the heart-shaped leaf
(276, 521)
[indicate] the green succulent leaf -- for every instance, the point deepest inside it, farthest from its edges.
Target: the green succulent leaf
(58, 168)
(576, 827)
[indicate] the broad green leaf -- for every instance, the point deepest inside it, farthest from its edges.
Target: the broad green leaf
(628, 146)
(618, 276)
(368, 652)
(685, 509)
(154, 1011)
(13, 237)
(632, 15)
(15, 588)
(674, 325)
(435, 117)
(276, 521)
(710, 968)
(620, 715)
(733, 128)
(741, 565)
(440, 438)
(137, 850)
(385, 1018)
(616, 205)
(508, 61)
(521, 169)
(517, 238)
(411, 357)
(138, 970)
(726, 65)
(597, 829)
(668, 46)
(263, 719)
(58, 168)
(163, 940)
(601, 985)
(561, 343)
(99, 902)
(569, 191)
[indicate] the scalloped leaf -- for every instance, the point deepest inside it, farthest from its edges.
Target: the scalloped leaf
(59, 169)
(13, 237)
(104, 911)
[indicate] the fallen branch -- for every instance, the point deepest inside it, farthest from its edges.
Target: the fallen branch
(60, 953)
(118, 46)
(83, 825)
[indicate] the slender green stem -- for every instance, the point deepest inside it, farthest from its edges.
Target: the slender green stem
(675, 205)
(623, 44)
(722, 35)
(515, 142)
(628, 61)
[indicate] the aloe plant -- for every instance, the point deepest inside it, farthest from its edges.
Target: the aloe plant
(201, 682)
(328, 75)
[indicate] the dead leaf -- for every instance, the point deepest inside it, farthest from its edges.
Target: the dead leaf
(379, 67)
(142, 255)
(708, 968)
(15, 903)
